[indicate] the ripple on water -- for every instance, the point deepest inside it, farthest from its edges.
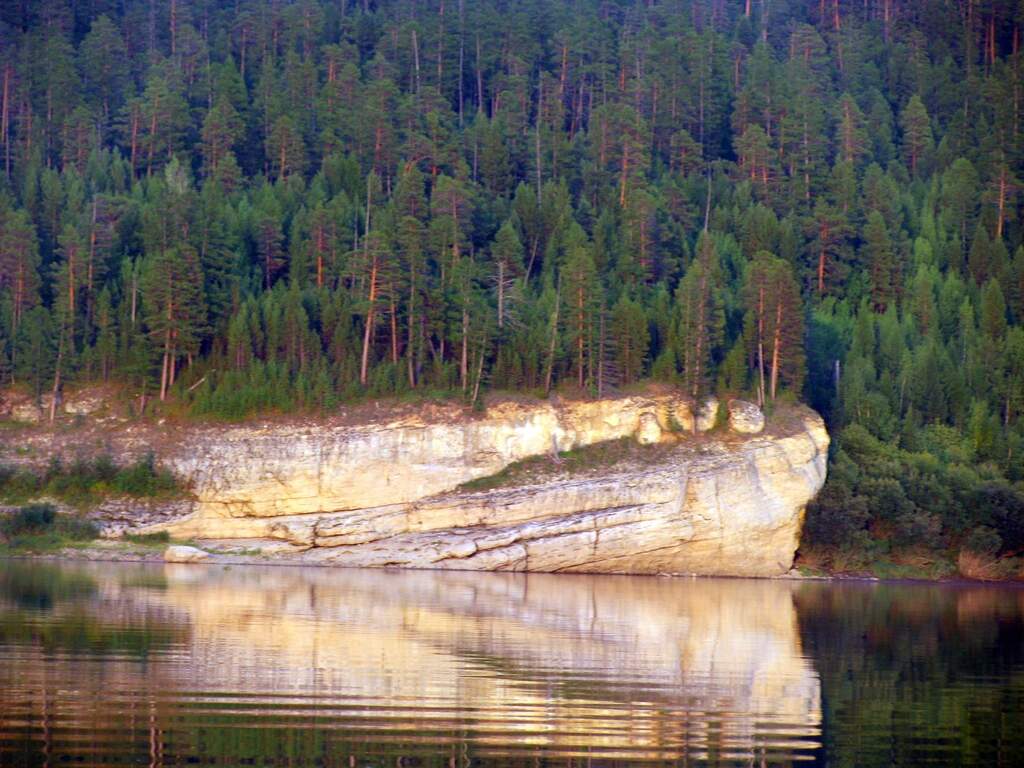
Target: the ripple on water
(281, 666)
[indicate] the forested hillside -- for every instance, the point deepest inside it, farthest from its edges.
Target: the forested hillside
(245, 206)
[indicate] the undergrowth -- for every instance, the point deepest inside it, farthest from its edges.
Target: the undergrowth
(575, 461)
(84, 483)
(40, 528)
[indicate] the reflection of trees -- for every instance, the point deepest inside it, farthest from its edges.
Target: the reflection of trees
(40, 585)
(917, 673)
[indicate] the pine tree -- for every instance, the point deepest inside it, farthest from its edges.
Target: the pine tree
(829, 229)
(774, 325)
(175, 313)
(851, 138)
(222, 128)
(878, 255)
(507, 261)
(630, 337)
(286, 152)
(700, 323)
(917, 132)
(268, 237)
(104, 64)
(581, 294)
(19, 265)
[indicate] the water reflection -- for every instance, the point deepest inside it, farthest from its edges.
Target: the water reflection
(171, 664)
(918, 674)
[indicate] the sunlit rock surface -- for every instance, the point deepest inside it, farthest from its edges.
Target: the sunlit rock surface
(386, 494)
(179, 553)
(745, 418)
(394, 486)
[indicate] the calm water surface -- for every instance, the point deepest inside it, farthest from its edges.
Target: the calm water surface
(106, 664)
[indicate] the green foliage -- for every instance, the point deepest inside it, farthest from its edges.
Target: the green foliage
(879, 493)
(253, 227)
(160, 538)
(591, 458)
(39, 527)
(84, 483)
(32, 518)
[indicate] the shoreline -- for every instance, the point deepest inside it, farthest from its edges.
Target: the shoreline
(155, 556)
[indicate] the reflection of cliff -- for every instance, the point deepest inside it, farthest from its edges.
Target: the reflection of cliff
(614, 666)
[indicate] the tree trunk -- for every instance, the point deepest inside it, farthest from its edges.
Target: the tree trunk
(56, 376)
(760, 345)
(5, 111)
(579, 334)
(152, 136)
(368, 330)
(479, 376)
(776, 347)
(165, 366)
(554, 337)
(1002, 203)
(416, 62)
(394, 331)
(464, 357)
(625, 172)
(540, 108)
(501, 294)
(411, 320)
(320, 257)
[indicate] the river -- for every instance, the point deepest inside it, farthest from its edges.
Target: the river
(115, 664)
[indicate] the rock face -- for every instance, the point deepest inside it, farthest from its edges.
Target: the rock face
(745, 418)
(394, 487)
(178, 553)
(387, 494)
(649, 431)
(706, 414)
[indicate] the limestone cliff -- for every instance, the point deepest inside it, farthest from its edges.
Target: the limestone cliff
(388, 488)
(386, 494)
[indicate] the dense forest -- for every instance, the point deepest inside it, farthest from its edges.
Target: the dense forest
(256, 205)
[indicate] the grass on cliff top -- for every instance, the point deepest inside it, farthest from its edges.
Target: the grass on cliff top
(85, 483)
(574, 462)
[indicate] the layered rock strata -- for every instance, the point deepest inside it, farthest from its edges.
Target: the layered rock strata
(388, 494)
(396, 488)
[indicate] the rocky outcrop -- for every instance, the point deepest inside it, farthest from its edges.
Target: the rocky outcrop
(179, 553)
(411, 489)
(745, 418)
(387, 495)
(707, 414)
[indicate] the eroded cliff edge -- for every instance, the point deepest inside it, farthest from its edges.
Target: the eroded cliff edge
(398, 490)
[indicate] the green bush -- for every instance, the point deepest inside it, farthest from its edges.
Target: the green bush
(160, 537)
(32, 518)
(144, 478)
(40, 527)
(86, 482)
(983, 541)
(879, 493)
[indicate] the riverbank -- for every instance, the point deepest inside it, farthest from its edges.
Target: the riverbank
(154, 552)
